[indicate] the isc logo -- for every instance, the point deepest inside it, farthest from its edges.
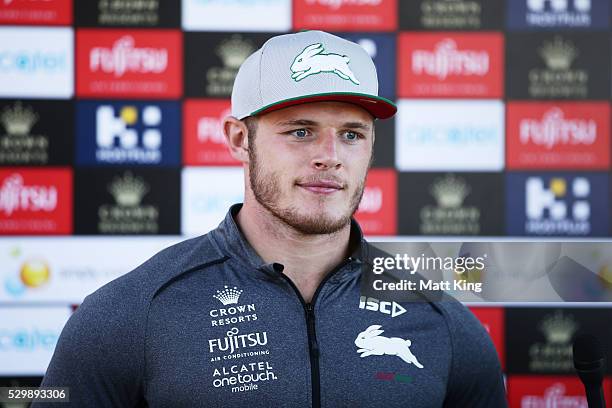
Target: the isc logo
(389, 308)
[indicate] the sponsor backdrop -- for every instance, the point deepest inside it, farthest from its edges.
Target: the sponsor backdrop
(111, 146)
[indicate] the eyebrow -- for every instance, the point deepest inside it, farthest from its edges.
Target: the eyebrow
(306, 122)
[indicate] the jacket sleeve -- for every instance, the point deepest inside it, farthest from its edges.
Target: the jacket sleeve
(476, 380)
(100, 354)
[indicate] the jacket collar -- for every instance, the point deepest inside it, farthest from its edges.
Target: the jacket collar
(232, 242)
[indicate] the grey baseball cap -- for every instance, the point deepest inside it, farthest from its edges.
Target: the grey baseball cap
(308, 66)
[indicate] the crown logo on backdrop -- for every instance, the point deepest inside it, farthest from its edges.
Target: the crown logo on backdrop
(558, 328)
(128, 190)
(18, 121)
(450, 191)
(228, 296)
(558, 54)
(234, 51)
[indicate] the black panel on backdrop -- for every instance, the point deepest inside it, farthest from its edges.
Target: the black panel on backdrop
(127, 201)
(540, 339)
(128, 13)
(212, 61)
(564, 65)
(36, 132)
(451, 15)
(384, 146)
(450, 204)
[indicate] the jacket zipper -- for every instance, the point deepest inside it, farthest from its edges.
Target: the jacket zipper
(313, 345)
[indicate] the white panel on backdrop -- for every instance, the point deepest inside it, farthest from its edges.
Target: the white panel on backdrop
(445, 135)
(207, 194)
(236, 15)
(36, 62)
(28, 336)
(58, 269)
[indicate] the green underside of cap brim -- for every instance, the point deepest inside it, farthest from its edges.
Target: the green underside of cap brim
(379, 107)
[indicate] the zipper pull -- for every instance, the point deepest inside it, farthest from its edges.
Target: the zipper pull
(314, 345)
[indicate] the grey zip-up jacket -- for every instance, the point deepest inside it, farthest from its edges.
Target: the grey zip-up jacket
(206, 323)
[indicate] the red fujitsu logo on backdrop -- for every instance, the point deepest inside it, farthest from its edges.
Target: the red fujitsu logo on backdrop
(451, 65)
(492, 319)
(545, 392)
(143, 63)
(47, 12)
(34, 201)
(558, 135)
(345, 15)
(377, 210)
(203, 139)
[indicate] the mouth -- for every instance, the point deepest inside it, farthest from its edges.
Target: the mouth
(322, 186)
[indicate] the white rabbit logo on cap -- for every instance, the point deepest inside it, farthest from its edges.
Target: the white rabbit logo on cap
(312, 61)
(371, 343)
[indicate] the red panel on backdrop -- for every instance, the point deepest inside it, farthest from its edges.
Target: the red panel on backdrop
(558, 135)
(35, 201)
(450, 65)
(345, 15)
(203, 140)
(47, 12)
(492, 318)
(547, 391)
(377, 212)
(119, 63)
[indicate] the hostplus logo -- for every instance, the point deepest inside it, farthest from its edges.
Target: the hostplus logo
(446, 60)
(233, 313)
(554, 129)
(561, 207)
(548, 13)
(117, 139)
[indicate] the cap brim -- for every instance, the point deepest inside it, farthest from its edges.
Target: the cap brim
(378, 106)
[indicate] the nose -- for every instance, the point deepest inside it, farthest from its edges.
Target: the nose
(326, 154)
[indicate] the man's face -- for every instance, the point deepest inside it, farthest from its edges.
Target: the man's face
(308, 164)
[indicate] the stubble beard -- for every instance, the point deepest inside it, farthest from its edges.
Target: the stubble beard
(267, 191)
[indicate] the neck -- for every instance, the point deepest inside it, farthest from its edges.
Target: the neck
(306, 258)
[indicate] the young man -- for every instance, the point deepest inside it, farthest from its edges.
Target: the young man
(264, 310)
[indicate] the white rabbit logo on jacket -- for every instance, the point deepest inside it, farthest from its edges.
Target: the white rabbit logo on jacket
(312, 61)
(371, 343)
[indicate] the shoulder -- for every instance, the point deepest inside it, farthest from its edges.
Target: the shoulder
(466, 332)
(121, 306)
(476, 378)
(144, 281)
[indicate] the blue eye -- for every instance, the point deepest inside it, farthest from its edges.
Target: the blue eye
(301, 133)
(352, 136)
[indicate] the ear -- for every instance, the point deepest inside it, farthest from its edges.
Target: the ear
(375, 333)
(235, 133)
(313, 49)
(373, 327)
